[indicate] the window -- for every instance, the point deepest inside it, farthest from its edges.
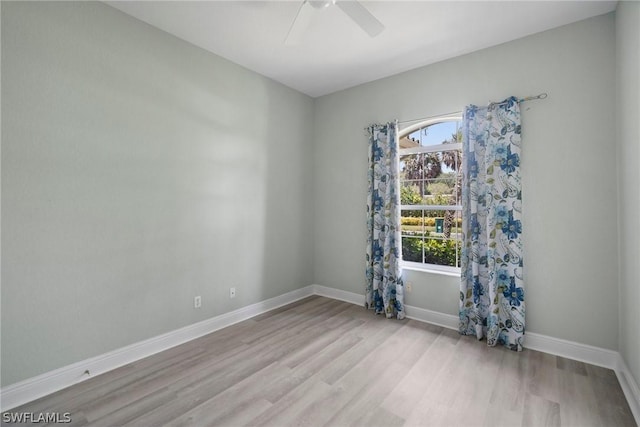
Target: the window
(430, 187)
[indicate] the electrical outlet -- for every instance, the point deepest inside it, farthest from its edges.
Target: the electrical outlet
(197, 302)
(232, 292)
(409, 286)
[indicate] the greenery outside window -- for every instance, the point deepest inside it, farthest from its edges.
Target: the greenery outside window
(430, 191)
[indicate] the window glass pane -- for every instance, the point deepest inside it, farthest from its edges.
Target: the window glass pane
(456, 228)
(412, 223)
(410, 195)
(433, 135)
(412, 249)
(430, 178)
(441, 251)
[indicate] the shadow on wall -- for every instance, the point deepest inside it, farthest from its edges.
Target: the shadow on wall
(138, 172)
(288, 219)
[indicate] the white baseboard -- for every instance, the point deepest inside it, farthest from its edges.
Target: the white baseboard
(434, 317)
(629, 387)
(346, 296)
(572, 350)
(50, 382)
(33, 388)
(421, 314)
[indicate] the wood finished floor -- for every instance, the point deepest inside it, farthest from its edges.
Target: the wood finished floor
(322, 362)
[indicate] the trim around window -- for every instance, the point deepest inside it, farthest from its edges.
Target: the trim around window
(444, 270)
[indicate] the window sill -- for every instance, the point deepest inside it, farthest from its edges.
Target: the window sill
(444, 271)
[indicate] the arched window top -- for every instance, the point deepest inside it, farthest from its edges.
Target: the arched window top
(428, 122)
(424, 136)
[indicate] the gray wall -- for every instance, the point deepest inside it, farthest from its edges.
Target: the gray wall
(137, 172)
(628, 127)
(568, 169)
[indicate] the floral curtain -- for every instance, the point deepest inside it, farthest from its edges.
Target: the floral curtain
(491, 292)
(384, 291)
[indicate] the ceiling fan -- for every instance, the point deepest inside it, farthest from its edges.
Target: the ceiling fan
(352, 8)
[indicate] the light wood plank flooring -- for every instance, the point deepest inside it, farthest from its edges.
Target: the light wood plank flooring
(321, 362)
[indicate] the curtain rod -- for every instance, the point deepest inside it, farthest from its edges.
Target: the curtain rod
(542, 95)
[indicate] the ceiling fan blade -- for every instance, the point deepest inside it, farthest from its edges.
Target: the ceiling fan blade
(300, 24)
(361, 16)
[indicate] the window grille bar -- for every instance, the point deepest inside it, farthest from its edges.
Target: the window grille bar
(431, 207)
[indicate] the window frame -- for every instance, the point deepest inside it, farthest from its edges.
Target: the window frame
(421, 266)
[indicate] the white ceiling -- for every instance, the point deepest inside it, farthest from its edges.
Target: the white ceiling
(336, 54)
